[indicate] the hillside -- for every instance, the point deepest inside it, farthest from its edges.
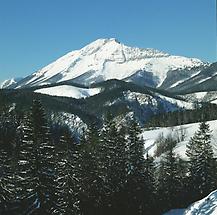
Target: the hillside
(152, 135)
(205, 206)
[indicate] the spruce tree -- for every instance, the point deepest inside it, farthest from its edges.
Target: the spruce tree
(36, 162)
(201, 164)
(135, 170)
(113, 166)
(8, 163)
(169, 181)
(120, 172)
(7, 192)
(67, 177)
(91, 182)
(150, 185)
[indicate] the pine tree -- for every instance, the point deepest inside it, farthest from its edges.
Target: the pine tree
(135, 174)
(67, 181)
(7, 193)
(36, 162)
(169, 181)
(27, 175)
(113, 166)
(120, 172)
(106, 160)
(91, 183)
(8, 163)
(201, 164)
(150, 185)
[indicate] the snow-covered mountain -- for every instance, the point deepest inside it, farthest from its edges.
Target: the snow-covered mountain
(203, 81)
(106, 59)
(9, 82)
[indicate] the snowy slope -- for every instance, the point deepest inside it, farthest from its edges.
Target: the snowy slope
(214, 101)
(199, 96)
(9, 82)
(205, 206)
(202, 96)
(204, 81)
(179, 103)
(147, 99)
(107, 59)
(69, 91)
(151, 136)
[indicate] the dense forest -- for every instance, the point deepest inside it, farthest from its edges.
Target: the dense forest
(201, 112)
(45, 169)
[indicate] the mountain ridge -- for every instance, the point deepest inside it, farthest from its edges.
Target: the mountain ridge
(106, 59)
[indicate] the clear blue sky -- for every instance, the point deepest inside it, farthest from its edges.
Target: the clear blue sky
(33, 33)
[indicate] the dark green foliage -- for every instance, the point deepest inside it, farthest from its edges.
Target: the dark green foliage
(150, 186)
(169, 181)
(205, 111)
(91, 183)
(67, 180)
(7, 192)
(136, 170)
(105, 173)
(36, 161)
(201, 165)
(113, 160)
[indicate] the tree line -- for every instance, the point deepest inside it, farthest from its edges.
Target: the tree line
(201, 112)
(105, 172)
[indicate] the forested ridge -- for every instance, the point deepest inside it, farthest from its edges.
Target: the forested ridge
(46, 170)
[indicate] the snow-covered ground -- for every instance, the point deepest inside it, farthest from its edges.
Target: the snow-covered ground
(75, 123)
(210, 96)
(179, 103)
(214, 101)
(198, 96)
(69, 91)
(188, 130)
(205, 206)
(148, 99)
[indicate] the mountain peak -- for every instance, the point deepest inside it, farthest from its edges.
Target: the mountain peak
(105, 40)
(107, 48)
(9, 82)
(99, 44)
(106, 59)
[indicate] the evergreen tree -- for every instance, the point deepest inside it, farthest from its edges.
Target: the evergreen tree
(8, 163)
(7, 193)
(136, 171)
(201, 165)
(91, 184)
(150, 185)
(169, 181)
(67, 181)
(120, 172)
(36, 162)
(113, 166)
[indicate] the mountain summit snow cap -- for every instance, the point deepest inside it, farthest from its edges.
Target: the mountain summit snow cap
(106, 59)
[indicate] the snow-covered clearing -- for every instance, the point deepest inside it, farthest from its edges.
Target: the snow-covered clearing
(187, 130)
(69, 91)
